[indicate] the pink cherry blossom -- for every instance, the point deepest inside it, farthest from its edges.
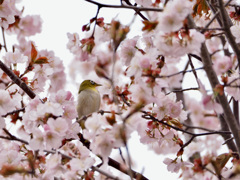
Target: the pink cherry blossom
(14, 58)
(103, 144)
(80, 165)
(37, 142)
(234, 81)
(74, 42)
(6, 102)
(30, 25)
(58, 125)
(175, 165)
(52, 139)
(53, 166)
(7, 13)
(128, 49)
(145, 3)
(211, 104)
(169, 23)
(235, 31)
(172, 18)
(222, 64)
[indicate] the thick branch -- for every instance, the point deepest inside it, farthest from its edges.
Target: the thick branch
(228, 33)
(228, 115)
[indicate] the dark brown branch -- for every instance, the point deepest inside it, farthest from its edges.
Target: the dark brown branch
(4, 40)
(125, 7)
(15, 111)
(137, 11)
(213, 79)
(150, 117)
(125, 170)
(236, 110)
(226, 25)
(115, 164)
(17, 80)
(12, 137)
(175, 74)
(94, 28)
(216, 15)
(182, 90)
(193, 68)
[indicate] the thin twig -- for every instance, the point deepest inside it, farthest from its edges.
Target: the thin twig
(4, 40)
(125, 7)
(182, 90)
(175, 74)
(15, 111)
(204, 129)
(12, 137)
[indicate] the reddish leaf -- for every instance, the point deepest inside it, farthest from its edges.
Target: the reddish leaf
(111, 119)
(220, 162)
(148, 26)
(200, 7)
(34, 52)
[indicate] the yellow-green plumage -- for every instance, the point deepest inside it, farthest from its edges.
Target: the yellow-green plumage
(88, 98)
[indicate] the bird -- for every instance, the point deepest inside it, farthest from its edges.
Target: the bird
(89, 99)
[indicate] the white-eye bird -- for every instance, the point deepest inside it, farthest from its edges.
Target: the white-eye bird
(88, 98)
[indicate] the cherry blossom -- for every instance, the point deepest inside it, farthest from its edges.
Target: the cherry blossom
(235, 31)
(6, 103)
(14, 58)
(175, 165)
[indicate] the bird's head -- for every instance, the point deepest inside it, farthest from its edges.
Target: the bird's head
(88, 84)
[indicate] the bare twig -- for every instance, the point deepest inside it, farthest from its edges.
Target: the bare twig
(4, 40)
(12, 112)
(175, 74)
(12, 137)
(122, 6)
(182, 90)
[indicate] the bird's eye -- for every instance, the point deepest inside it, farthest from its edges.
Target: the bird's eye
(92, 82)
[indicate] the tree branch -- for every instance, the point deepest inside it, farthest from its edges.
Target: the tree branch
(228, 33)
(212, 77)
(125, 7)
(17, 80)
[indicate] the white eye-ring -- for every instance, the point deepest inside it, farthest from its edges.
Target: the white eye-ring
(92, 82)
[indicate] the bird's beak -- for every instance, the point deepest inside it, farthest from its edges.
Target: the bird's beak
(98, 84)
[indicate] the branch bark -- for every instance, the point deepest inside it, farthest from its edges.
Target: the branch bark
(17, 80)
(226, 26)
(222, 99)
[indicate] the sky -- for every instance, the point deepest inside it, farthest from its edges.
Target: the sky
(60, 17)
